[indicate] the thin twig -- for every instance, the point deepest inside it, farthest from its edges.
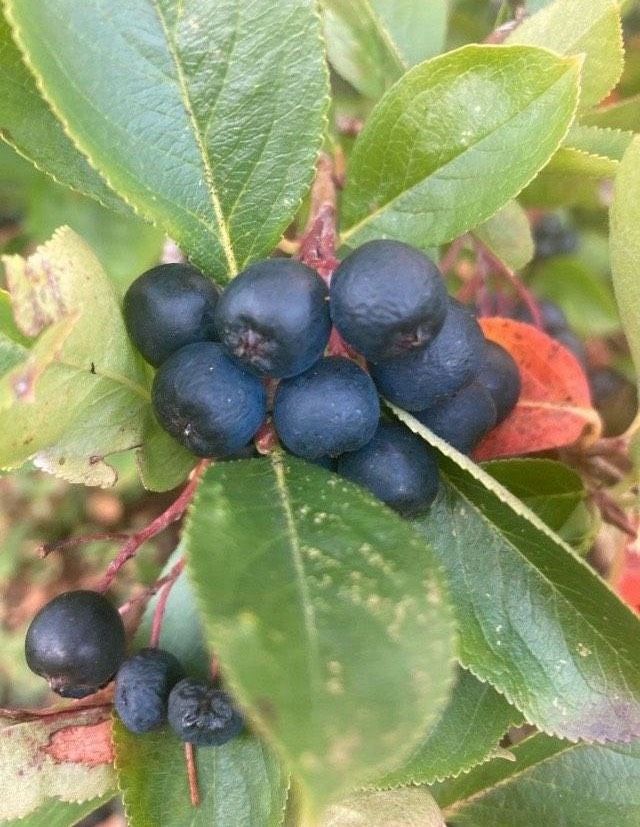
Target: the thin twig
(318, 242)
(161, 605)
(192, 774)
(171, 515)
(45, 549)
(523, 293)
(500, 34)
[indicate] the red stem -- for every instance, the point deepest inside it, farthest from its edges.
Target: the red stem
(82, 539)
(523, 293)
(161, 605)
(171, 515)
(192, 774)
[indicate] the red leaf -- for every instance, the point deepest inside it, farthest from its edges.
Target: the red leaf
(89, 745)
(554, 409)
(627, 581)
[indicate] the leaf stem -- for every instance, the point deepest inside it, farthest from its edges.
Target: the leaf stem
(45, 549)
(485, 256)
(161, 605)
(172, 514)
(192, 774)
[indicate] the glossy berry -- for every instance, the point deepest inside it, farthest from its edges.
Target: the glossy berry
(397, 466)
(425, 377)
(202, 715)
(463, 419)
(274, 316)
(387, 299)
(143, 684)
(76, 642)
(500, 375)
(168, 307)
(207, 401)
(554, 237)
(331, 408)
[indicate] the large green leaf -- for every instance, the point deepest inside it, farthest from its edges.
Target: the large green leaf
(59, 813)
(240, 783)
(206, 115)
(29, 125)
(534, 620)
(600, 141)
(454, 140)
(359, 46)
(625, 247)
(580, 27)
(327, 613)
(551, 782)
(468, 732)
(411, 807)
(32, 776)
(81, 392)
(624, 115)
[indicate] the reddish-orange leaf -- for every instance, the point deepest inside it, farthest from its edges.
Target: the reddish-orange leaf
(89, 745)
(554, 409)
(627, 581)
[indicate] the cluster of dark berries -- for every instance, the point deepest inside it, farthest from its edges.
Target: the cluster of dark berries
(425, 352)
(77, 642)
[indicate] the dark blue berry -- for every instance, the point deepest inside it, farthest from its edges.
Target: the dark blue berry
(387, 299)
(202, 715)
(168, 307)
(207, 401)
(552, 316)
(463, 419)
(500, 375)
(397, 466)
(425, 377)
(615, 398)
(274, 316)
(568, 339)
(331, 408)
(77, 642)
(143, 684)
(554, 237)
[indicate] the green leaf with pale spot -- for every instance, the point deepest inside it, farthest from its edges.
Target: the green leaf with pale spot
(328, 616)
(534, 619)
(411, 807)
(508, 235)
(218, 116)
(580, 27)
(81, 392)
(29, 125)
(625, 247)
(467, 733)
(550, 782)
(454, 141)
(30, 776)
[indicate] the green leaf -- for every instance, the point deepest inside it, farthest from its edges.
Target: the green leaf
(552, 491)
(508, 235)
(218, 115)
(534, 620)
(550, 782)
(603, 142)
(81, 392)
(624, 115)
(162, 462)
(125, 245)
(59, 813)
(181, 632)
(360, 48)
(469, 130)
(571, 177)
(580, 27)
(32, 777)
(418, 29)
(385, 808)
(240, 783)
(33, 130)
(625, 247)
(327, 614)
(468, 733)
(12, 344)
(586, 297)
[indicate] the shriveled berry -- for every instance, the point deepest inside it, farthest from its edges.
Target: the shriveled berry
(207, 401)
(143, 684)
(77, 642)
(387, 299)
(202, 715)
(425, 377)
(274, 317)
(331, 408)
(463, 419)
(168, 307)
(500, 375)
(397, 466)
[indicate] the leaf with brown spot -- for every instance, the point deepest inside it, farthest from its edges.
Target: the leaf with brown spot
(554, 409)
